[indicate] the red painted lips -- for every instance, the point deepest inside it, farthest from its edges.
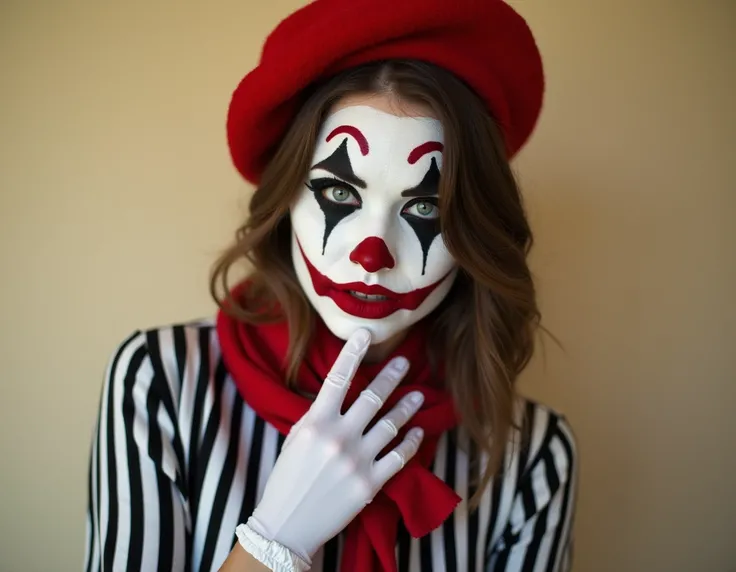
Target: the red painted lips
(367, 309)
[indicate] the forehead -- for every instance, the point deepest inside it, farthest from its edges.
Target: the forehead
(378, 139)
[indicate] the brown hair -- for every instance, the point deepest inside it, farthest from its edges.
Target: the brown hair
(486, 325)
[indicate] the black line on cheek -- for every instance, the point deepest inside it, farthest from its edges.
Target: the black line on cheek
(333, 212)
(426, 231)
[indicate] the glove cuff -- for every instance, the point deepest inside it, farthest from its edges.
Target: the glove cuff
(270, 553)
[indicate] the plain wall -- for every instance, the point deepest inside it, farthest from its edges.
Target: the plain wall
(116, 193)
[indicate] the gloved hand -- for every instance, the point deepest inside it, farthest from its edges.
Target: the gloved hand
(327, 471)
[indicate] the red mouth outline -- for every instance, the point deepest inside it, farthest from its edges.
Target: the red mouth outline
(369, 310)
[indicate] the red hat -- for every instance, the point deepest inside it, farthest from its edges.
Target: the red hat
(484, 42)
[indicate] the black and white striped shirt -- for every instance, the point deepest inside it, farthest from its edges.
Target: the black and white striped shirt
(179, 460)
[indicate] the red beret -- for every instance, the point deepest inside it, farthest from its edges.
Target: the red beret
(483, 42)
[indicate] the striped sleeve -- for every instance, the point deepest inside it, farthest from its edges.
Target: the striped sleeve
(538, 534)
(137, 516)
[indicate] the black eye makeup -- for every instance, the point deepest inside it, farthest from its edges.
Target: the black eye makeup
(336, 191)
(337, 200)
(423, 215)
(425, 208)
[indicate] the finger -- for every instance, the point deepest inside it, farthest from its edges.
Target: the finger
(337, 382)
(292, 432)
(393, 462)
(373, 397)
(386, 430)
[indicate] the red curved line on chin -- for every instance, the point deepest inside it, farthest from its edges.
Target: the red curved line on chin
(424, 149)
(355, 133)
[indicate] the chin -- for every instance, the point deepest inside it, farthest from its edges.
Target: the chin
(381, 330)
(343, 325)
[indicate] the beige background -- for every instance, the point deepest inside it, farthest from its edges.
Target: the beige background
(117, 192)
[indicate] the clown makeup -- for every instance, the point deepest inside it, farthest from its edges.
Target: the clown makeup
(366, 239)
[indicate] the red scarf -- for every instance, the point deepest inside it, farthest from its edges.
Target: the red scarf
(255, 356)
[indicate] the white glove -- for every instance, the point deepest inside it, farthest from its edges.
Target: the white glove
(327, 471)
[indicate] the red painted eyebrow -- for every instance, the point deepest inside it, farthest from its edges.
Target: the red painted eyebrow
(423, 149)
(355, 133)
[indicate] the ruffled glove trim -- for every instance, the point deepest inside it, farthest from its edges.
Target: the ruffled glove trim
(270, 553)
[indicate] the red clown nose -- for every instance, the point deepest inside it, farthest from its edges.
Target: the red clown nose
(373, 255)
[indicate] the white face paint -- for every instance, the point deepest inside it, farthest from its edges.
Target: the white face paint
(365, 234)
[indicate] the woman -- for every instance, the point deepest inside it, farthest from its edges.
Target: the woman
(353, 405)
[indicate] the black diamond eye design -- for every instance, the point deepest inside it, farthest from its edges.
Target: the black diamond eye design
(424, 227)
(337, 206)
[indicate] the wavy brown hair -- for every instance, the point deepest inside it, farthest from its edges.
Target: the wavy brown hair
(485, 327)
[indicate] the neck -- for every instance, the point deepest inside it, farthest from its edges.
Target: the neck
(379, 352)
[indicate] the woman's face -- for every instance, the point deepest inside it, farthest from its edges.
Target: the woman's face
(366, 240)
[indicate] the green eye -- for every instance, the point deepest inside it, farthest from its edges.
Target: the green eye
(423, 209)
(340, 195)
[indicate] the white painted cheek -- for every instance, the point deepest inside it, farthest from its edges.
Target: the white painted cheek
(439, 260)
(410, 254)
(336, 259)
